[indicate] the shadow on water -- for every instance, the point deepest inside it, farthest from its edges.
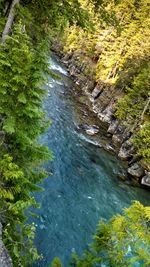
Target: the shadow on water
(84, 185)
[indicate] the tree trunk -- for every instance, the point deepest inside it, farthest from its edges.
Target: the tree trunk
(140, 119)
(7, 7)
(10, 20)
(145, 108)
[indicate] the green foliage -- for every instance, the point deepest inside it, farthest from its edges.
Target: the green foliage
(56, 262)
(2, 19)
(54, 17)
(14, 200)
(11, 176)
(19, 241)
(130, 107)
(21, 94)
(134, 108)
(123, 241)
(22, 120)
(142, 142)
(117, 52)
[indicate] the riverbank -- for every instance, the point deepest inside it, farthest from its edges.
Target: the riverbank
(101, 100)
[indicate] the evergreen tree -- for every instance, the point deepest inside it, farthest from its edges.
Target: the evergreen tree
(123, 241)
(56, 263)
(117, 54)
(22, 121)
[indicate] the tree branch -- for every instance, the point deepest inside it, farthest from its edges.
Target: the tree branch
(10, 20)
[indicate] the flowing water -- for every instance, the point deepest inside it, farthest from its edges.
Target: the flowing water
(84, 186)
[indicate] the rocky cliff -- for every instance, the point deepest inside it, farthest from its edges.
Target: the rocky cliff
(101, 101)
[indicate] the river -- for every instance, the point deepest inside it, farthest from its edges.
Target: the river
(84, 186)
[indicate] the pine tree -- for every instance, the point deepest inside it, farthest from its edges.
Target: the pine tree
(56, 263)
(22, 121)
(123, 241)
(117, 52)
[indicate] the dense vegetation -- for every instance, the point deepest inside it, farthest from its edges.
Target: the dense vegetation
(22, 120)
(116, 55)
(122, 241)
(117, 47)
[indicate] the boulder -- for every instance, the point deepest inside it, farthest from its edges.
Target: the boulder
(89, 129)
(117, 139)
(72, 71)
(92, 130)
(90, 85)
(121, 129)
(126, 150)
(113, 126)
(146, 179)
(106, 115)
(108, 147)
(136, 170)
(96, 92)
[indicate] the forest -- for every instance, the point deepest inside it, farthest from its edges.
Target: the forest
(111, 40)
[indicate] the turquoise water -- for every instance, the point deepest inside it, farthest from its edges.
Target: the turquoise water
(84, 186)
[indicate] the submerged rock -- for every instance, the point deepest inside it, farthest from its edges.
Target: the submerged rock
(89, 129)
(108, 147)
(136, 170)
(92, 130)
(146, 179)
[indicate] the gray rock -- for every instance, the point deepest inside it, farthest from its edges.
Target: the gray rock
(92, 130)
(120, 129)
(106, 115)
(73, 71)
(89, 129)
(90, 85)
(117, 139)
(113, 126)
(83, 126)
(146, 179)
(2, 133)
(96, 92)
(5, 260)
(126, 150)
(136, 170)
(108, 147)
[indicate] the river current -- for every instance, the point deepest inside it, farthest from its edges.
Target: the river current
(84, 186)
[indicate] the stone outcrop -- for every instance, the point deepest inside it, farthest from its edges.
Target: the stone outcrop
(146, 179)
(126, 151)
(107, 113)
(113, 126)
(117, 140)
(136, 170)
(89, 129)
(101, 99)
(5, 260)
(96, 92)
(92, 131)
